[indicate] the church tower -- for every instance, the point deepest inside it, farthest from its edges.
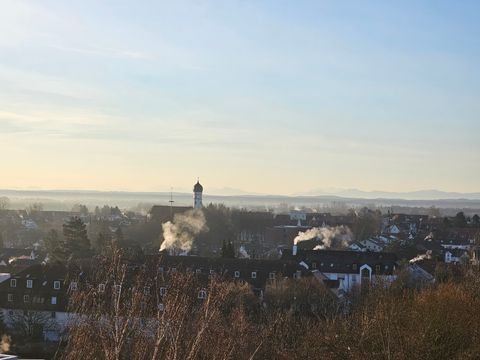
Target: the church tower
(197, 195)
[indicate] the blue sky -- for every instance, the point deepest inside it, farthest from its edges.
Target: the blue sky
(264, 96)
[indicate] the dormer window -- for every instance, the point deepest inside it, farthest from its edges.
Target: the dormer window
(26, 298)
(271, 276)
(163, 291)
(29, 284)
(202, 294)
(254, 274)
(13, 283)
(10, 297)
(236, 274)
(56, 285)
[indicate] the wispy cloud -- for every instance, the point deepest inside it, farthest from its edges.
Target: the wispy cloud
(106, 52)
(82, 125)
(25, 80)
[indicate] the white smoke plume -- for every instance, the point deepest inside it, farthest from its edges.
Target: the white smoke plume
(180, 233)
(243, 253)
(426, 256)
(337, 237)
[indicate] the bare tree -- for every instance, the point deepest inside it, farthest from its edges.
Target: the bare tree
(30, 324)
(127, 312)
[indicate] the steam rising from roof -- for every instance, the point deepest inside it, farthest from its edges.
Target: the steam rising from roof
(243, 253)
(337, 237)
(180, 233)
(426, 256)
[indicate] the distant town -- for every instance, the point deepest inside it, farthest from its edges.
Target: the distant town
(48, 258)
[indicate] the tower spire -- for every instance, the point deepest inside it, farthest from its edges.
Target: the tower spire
(197, 195)
(171, 201)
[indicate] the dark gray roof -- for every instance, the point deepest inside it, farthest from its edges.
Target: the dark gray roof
(348, 262)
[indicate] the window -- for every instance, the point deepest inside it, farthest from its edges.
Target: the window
(314, 265)
(54, 300)
(355, 267)
(101, 288)
(298, 274)
(29, 284)
(173, 270)
(56, 285)
(13, 283)
(236, 274)
(254, 275)
(26, 298)
(202, 294)
(271, 276)
(161, 308)
(163, 291)
(365, 273)
(10, 297)
(377, 268)
(73, 286)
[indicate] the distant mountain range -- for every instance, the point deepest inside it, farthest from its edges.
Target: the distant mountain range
(231, 192)
(65, 199)
(411, 195)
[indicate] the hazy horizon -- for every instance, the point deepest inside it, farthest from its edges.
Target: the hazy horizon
(424, 195)
(271, 97)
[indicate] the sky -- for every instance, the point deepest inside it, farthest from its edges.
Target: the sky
(275, 97)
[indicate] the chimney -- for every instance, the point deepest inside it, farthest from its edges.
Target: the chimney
(294, 250)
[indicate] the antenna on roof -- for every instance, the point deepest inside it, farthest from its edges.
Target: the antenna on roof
(171, 202)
